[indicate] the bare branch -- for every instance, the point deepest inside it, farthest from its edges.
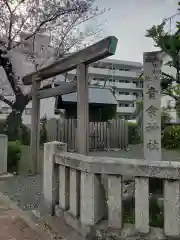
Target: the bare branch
(20, 27)
(8, 102)
(73, 24)
(10, 23)
(9, 33)
(49, 19)
(5, 25)
(7, 5)
(169, 93)
(16, 7)
(67, 31)
(79, 39)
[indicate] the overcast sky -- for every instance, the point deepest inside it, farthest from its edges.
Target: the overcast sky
(128, 21)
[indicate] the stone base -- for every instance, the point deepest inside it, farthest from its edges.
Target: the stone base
(75, 223)
(102, 231)
(55, 225)
(5, 176)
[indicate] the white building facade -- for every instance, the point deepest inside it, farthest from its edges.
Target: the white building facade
(122, 77)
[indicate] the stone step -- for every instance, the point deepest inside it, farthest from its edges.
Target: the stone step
(5, 176)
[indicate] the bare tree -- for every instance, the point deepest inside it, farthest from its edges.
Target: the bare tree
(64, 21)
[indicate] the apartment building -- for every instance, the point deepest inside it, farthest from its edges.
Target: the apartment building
(122, 77)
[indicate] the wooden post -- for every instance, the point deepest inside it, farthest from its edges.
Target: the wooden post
(82, 110)
(35, 127)
(152, 106)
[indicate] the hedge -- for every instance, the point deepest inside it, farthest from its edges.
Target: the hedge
(133, 133)
(171, 137)
(14, 154)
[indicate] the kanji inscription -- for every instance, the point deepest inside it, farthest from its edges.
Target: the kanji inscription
(152, 126)
(147, 78)
(152, 106)
(152, 111)
(153, 145)
(152, 92)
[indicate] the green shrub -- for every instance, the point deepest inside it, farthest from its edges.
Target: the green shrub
(43, 130)
(133, 133)
(165, 118)
(2, 122)
(156, 216)
(171, 137)
(14, 154)
(25, 135)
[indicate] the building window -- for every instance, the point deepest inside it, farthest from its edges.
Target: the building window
(123, 105)
(6, 110)
(28, 111)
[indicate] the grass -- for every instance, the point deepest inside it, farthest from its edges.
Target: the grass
(156, 214)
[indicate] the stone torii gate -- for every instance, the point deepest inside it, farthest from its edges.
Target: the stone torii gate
(80, 61)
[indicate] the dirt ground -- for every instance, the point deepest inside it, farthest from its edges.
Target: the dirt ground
(12, 226)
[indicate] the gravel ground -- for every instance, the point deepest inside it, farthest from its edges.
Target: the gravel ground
(136, 152)
(27, 191)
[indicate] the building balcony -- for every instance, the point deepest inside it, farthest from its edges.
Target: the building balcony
(114, 73)
(108, 72)
(100, 83)
(118, 85)
(126, 110)
(122, 97)
(123, 85)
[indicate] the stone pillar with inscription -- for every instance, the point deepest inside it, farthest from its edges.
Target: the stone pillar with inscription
(152, 106)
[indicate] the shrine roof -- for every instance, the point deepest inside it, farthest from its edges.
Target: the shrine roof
(96, 95)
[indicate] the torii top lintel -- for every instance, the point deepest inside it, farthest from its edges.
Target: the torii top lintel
(93, 53)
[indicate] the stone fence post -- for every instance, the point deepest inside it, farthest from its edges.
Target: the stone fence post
(51, 175)
(3, 153)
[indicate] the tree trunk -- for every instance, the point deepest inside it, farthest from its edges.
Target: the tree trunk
(14, 119)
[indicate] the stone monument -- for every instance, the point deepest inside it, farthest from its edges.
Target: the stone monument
(152, 106)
